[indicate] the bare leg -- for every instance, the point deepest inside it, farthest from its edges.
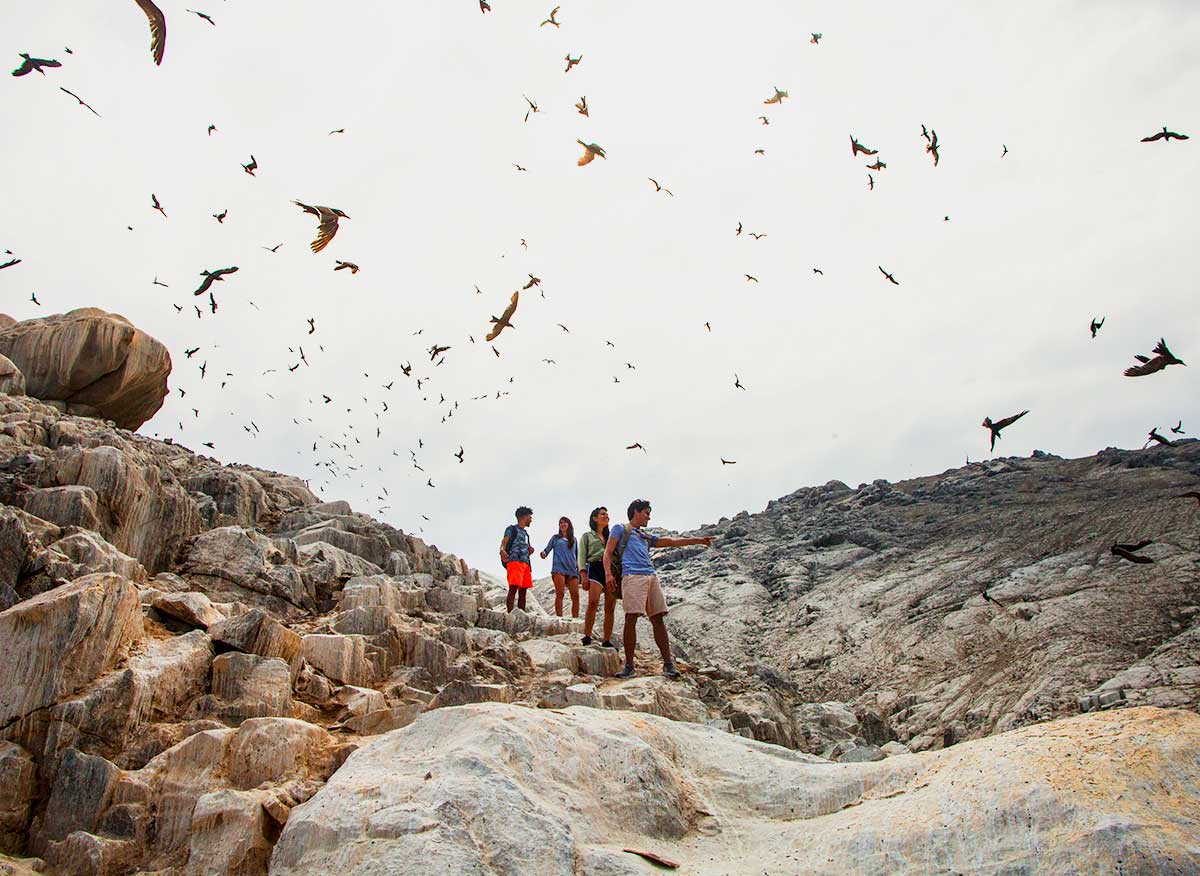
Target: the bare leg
(610, 613)
(630, 638)
(573, 586)
(521, 597)
(559, 584)
(661, 639)
(512, 594)
(589, 616)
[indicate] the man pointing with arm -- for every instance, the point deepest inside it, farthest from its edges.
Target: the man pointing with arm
(640, 590)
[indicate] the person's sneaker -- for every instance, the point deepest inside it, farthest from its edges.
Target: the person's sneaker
(670, 671)
(607, 644)
(627, 672)
(587, 640)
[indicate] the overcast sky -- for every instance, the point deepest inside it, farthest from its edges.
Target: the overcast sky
(846, 376)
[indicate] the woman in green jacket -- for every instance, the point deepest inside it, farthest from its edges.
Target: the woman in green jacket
(591, 577)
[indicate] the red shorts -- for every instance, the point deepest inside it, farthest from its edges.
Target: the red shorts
(519, 575)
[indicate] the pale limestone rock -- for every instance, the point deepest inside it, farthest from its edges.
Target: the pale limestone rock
(599, 661)
(344, 659)
(670, 698)
(442, 795)
(548, 655)
(88, 552)
(256, 632)
(240, 564)
(275, 750)
(55, 643)
(18, 789)
(458, 693)
(357, 701)
(191, 608)
(71, 505)
(329, 566)
(247, 686)
(12, 381)
(238, 498)
(583, 694)
(383, 720)
(231, 834)
(92, 360)
(379, 591)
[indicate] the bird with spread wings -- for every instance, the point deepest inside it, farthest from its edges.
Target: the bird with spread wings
(504, 321)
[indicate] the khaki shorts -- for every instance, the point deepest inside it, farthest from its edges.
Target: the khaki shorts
(643, 595)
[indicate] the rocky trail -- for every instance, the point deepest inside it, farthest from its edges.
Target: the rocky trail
(210, 671)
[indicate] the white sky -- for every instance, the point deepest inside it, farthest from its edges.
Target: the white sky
(847, 376)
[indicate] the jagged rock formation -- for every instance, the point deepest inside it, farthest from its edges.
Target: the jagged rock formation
(193, 650)
(12, 381)
(875, 596)
(503, 790)
(90, 362)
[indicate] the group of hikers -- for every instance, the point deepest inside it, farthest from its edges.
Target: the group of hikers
(613, 562)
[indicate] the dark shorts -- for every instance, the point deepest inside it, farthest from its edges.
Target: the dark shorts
(596, 573)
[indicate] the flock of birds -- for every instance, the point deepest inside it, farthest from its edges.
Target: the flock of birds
(327, 225)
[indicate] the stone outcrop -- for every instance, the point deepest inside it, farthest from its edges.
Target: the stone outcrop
(12, 381)
(93, 363)
(443, 795)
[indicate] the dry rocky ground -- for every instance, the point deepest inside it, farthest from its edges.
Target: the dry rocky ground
(209, 671)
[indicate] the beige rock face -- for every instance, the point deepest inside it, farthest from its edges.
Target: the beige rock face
(55, 643)
(91, 359)
(18, 786)
(92, 362)
(585, 784)
(12, 381)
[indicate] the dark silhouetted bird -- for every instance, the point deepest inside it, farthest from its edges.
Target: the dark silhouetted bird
(1165, 136)
(203, 15)
(1005, 152)
(856, 148)
(460, 454)
(1178, 428)
(211, 277)
(891, 279)
(725, 461)
(1161, 360)
(9, 263)
(1156, 438)
(1096, 325)
(932, 148)
(343, 266)
(571, 62)
(484, 6)
(82, 102)
(551, 19)
(659, 188)
(312, 325)
(750, 277)
(1127, 551)
(878, 165)
(251, 167)
(816, 38)
(274, 248)
(582, 107)
(436, 351)
(1000, 424)
(336, 131)
(220, 217)
(737, 383)
(211, 128)
(33, 298)
(30, 64)
(636, 446)
(156, 205)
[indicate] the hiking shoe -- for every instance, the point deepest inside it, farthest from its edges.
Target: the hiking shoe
(670, 671)
(607, 644)
(587, 640)
(627, 672)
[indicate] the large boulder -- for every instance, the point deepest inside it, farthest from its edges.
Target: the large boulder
(96, 363)
(55, 643)
(443, 796)
(12, 381)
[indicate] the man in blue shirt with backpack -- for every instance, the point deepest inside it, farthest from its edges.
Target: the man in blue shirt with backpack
(640, 591)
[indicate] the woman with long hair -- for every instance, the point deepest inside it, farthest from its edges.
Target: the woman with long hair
(562, 571)
(591, 574)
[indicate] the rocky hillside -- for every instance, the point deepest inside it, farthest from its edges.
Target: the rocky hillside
(955, 606)
(208, 671)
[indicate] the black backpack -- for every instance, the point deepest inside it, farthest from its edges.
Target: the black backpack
(615, 562)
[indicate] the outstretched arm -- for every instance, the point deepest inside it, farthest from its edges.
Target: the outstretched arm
(683, 542)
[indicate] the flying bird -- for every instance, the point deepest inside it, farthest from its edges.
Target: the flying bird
(203, 15)
(156, 205)
(739, 230)
(764, 120)
(336, 131)
(274, 248)
(750, 277)
(708, 326)
(932, 148)
(563, 327)
(725, 461)
(312, 326)
(158, 28)
(737, 383)
(9, 263)
(164, 285)
(33, 298)
(818, 271)
(533, 281)
(551, 19)
(504, 321)
(582, 107)
(636, 446)
(757, 236)
(1161, 360)
(459, 455)
(1163, 135)
(571, 62)
(33, 64)
(436, 351)
(342, 266)
(1096, 325)
(592, 150)
(1155, 437)
(1178, 428)
(211, 277)
(870, 183)
(484, 6)
(1000, 424)
(878, 165)
(856, 148)
(211, 128)
(777, 97)
(251, 167)
(1127, 551)
(192, 352)
(533, 107)
(760, 151)
(659, 188)
(327, 223)
(891, 279)
(518, 167)
(1005, 152)
(82, 102)
(220, 217)
(816, 38)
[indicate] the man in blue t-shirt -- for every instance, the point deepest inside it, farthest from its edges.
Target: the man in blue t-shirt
(640, 591)
(515, 550)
